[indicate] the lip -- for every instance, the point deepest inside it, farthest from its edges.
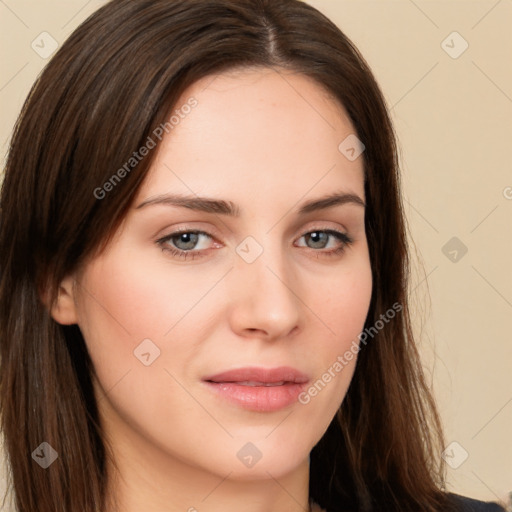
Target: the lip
(259, 389)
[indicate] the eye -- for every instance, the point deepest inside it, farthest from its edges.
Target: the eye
(183, 244)
(320, 240)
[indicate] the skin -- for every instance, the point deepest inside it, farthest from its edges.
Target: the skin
(266, 140)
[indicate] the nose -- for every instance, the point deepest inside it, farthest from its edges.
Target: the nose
(265, 302)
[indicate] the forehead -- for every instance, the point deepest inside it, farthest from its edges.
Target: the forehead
(265, 132)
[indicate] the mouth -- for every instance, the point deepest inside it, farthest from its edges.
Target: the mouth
(259, 389)
(253, 383)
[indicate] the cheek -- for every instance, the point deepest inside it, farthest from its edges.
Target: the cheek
(342, 307)
(129, 308)
(345, 302)
(124, 312)
(129, 300)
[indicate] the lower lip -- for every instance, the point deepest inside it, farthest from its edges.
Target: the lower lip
(258, 398)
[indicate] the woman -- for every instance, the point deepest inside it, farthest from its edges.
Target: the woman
(204, 274)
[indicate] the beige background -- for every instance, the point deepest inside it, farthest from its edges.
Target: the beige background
(453, 117)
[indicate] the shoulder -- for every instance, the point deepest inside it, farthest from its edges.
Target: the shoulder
(471, 505)
(463, 503)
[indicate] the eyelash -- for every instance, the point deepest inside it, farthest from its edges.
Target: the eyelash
(179, 253)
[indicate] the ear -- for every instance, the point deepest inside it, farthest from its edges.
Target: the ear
(64, 310)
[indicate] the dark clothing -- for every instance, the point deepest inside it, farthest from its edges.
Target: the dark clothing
(472, 505)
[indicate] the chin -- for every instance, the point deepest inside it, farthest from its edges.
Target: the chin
(258, 459)
(263, 470)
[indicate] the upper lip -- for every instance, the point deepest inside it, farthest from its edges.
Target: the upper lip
(257, 374)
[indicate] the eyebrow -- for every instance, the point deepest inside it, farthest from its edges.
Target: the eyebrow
(222, 207)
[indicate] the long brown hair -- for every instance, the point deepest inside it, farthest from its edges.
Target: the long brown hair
(111, 84)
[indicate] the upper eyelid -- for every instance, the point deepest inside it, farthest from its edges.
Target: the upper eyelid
(213, 235)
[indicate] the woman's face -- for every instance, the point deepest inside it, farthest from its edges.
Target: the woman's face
(162, 314)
